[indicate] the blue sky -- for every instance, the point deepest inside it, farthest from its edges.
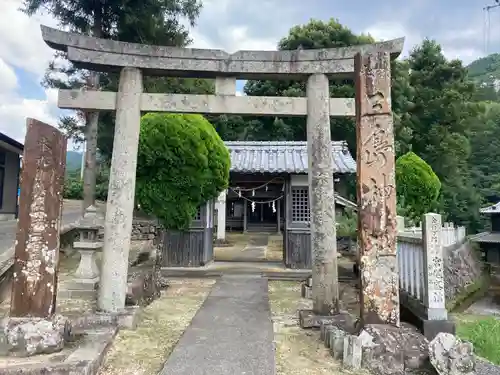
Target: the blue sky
(241, 24)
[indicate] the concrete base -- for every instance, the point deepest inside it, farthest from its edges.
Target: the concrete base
(431, 328)
(84, 357)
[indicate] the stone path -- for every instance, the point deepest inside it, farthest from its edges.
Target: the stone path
(231, 334)
(254, 250)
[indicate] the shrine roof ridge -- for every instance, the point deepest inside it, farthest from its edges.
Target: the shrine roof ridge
(105, 54)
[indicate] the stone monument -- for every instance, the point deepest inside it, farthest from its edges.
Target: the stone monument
(33, 327)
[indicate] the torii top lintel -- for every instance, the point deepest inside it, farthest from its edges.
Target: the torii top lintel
(110, 55)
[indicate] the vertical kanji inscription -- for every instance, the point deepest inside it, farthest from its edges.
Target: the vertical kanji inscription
(376, 190)
(34, 287)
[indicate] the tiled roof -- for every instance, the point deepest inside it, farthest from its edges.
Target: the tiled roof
(491, 209)
(283, 157)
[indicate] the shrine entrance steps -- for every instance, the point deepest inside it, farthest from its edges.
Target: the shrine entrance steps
(231, 334)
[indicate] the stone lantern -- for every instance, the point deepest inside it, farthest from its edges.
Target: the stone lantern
(88, 244)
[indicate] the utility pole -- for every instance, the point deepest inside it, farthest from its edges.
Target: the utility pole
(487, 10)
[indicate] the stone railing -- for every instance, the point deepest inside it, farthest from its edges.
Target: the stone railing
(421, 265)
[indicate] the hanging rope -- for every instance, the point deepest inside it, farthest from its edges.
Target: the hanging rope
(259, 202)
(258, 187)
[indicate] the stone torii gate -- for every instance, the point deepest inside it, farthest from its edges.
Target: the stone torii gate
(369, 64)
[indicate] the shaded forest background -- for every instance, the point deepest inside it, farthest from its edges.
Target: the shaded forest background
(446, 113)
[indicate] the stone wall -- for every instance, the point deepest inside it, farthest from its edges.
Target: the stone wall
(462, 268)
(144, 229)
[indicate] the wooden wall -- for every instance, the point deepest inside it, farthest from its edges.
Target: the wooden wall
(193, 247)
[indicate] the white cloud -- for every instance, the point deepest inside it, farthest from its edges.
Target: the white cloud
(236, 38)
(8, 78)
(13, 114)
(21, 42)
(388, 31)
(22, 47)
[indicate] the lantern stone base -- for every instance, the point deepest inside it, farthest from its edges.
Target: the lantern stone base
(79, 288)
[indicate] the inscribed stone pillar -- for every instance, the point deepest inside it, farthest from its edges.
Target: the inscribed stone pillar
(434, 297)
(321, 197)
(121, 193)
(221, 216)
(34, 287)
(376, 190)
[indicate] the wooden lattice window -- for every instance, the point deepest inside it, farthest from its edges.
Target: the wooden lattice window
(197, 217)
(300, 204)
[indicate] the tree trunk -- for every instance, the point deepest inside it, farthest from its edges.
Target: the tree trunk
(91, 127)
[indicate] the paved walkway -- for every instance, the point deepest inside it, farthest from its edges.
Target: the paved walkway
(71, 213)
(232, 333)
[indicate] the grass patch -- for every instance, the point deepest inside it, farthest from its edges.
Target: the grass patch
(145, 350)
(484, 333)
(298, 351)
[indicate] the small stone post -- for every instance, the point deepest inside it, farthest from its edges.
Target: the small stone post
(376, 190)
(400, 220)
(121, 194)
(36, 257)
(325, 292)
(221, 216)
(434, 297)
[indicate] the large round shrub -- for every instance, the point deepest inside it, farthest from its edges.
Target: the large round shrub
(418, 186)
(182, 163)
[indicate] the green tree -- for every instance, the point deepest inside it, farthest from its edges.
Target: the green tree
(417, 185)
(485, 153)
(182, 163)
(441, 117)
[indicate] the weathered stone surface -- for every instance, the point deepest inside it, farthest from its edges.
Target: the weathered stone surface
(325, 292)
(394, 350)
(34, 287)
(451, 356)
(30, 336)
(85, 51)
(376, 190)
(433, 258)
(353, 351)
(144, 230)
(120, 203)
(143, 287)
(336, 345)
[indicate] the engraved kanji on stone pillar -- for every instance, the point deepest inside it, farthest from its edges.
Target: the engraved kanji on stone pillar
(376, 189)
(34, 286)
(434, 297)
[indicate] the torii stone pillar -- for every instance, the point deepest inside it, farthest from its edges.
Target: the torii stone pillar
(121, 194)
(325, 292)
(376, 189)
